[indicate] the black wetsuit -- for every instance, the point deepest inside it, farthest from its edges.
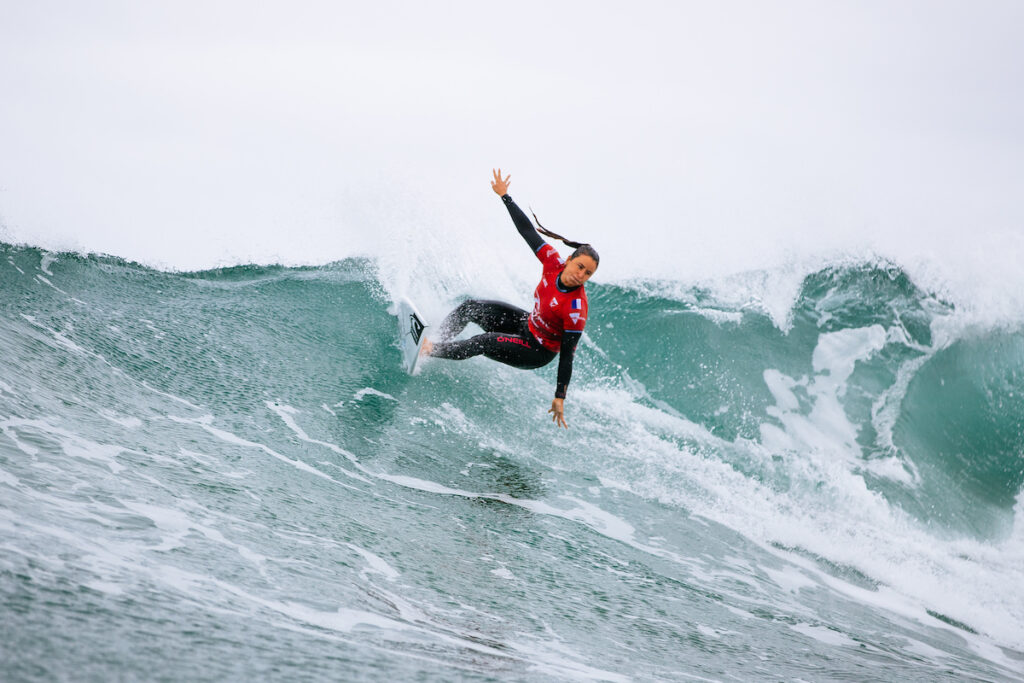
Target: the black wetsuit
(507, 337)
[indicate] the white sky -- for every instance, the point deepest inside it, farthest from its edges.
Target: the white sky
(675, 135)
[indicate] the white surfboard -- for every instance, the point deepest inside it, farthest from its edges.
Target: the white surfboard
(411, 328)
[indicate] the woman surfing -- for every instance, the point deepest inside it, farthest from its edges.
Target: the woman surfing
(528, 340)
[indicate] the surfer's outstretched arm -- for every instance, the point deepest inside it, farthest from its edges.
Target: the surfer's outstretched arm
(523, 224)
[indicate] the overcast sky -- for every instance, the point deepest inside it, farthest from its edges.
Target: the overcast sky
(191, 134)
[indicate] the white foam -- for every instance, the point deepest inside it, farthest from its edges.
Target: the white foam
(717, 316)
(376, 564)
(708, 631)
(126, 421)
(370, 391)
(769, 291)
(78, 447)
(503, 573)
(826, 507)
(448, 417)
(544, 658)
(622, 405)
(838, 352)
(342, 619)
(198, 457)
(781, 387)
(836, 516)
(58, 336)
(179, 525)
(72, 444)
(588, 514)
(826, 429)
(824, 635)
(286, 414)
(789, 579)
(51, 285)
(425, 485)
(894, 469)
(45, 261)
(228, 437)
(557, 660)
(885, 410)
(174, 522)
(927, 651)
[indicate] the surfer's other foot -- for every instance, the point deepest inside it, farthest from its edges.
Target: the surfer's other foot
(427, 347)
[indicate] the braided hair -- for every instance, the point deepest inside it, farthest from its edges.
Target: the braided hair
(582, 248)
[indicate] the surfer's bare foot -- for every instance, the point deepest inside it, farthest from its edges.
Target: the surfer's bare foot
(427, 347)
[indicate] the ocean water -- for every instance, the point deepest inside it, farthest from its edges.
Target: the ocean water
(226, 475)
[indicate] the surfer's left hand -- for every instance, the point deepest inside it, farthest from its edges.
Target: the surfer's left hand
(558, 412)
(499, 184)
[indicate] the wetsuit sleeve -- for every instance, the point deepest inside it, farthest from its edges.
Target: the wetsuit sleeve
(565, 358)
(523, 224)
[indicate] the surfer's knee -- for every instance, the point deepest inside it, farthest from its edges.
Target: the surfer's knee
(472, 311)
(471, 305)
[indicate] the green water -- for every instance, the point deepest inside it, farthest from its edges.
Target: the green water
(226, 475)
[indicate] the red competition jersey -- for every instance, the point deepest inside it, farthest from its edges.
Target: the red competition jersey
(554, 311)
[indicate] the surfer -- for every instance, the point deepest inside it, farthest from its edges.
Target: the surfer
(528, 340)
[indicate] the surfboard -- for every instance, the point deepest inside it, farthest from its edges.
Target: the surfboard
(411, 330)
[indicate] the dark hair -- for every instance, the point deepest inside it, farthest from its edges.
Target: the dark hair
(582, 248)
(586, 250)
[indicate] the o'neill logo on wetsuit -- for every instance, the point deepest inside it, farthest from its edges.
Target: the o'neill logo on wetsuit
(514, 340)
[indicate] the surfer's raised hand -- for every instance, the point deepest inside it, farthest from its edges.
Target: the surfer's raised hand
(558, 412)
(500, 186)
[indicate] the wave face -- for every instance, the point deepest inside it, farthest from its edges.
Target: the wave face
(227, 474)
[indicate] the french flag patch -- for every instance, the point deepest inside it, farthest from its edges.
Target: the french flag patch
(577, 304)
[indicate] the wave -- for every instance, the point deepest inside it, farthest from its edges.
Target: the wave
(867, 367)
(872, 415)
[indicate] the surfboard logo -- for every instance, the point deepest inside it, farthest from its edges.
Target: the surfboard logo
(415, 328)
